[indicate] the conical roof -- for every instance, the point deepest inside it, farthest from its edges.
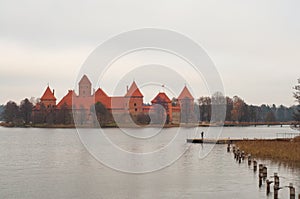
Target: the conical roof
(48, 95)
(185, 94)
(134, 91)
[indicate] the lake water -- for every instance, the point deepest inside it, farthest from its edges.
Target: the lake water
(53, 163)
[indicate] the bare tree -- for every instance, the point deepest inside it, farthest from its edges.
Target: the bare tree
(26, 110)
(205, 108)
(238, 112)
(218, 107)
(11, 113)
(297, 97)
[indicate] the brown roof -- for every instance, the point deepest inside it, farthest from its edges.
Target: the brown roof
(71, 99)
(101, 96)
(100, 93)
(48, 95)
(161, 97)
(185, 93)
(67, 99)
(134, 91)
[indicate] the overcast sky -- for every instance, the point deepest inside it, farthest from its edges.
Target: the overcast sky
(255, 45)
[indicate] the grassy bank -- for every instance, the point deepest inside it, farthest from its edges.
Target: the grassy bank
(287, 151)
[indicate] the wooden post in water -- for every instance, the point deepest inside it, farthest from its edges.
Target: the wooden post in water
(292, 191)
(228, 147)
(237, 154)
(268, 182)
(233, 148)
(254, 165)
(234, 152)
(276, 185)
(260, 174)
(243, 155)
(249, 160)
(276, 189)
(260, 177)
(260, 169)
(276, 179)
(265, 172)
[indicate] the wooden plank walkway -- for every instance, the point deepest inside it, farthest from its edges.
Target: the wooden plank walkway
(229, 140)
(212, 141)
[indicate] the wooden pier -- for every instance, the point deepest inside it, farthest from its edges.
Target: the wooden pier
(229, 140)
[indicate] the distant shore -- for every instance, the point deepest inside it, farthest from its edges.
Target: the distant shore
(111, 125)
(114, 125)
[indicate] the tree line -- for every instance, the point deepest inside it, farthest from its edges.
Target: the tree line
(237, 110)
(17, 114)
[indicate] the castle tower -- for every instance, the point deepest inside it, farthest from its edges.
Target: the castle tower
(85, 87)
(134, 99)
(48, 98)
(186, 102)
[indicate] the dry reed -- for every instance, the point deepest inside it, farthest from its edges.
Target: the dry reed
(287, 151)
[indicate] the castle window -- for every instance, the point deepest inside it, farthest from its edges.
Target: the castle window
(134, 104)
(135, 109)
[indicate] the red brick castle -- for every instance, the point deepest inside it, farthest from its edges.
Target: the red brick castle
(178, 110)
